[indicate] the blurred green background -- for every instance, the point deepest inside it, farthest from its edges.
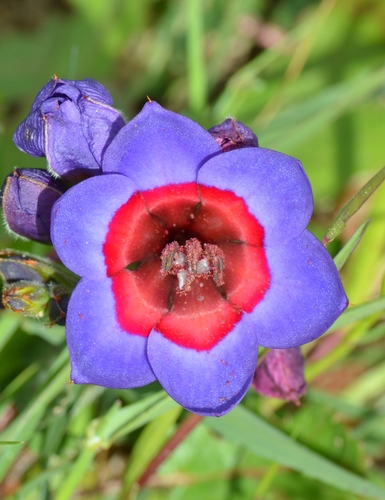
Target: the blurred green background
(308, 77)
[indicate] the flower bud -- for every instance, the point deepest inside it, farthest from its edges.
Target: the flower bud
(34, 287)
(231, 134)
(57, 306)
(16, 267)
(280, 375)
(27, 199)
(71, 123)
(26, 297)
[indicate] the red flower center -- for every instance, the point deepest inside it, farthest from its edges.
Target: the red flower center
(210, 238)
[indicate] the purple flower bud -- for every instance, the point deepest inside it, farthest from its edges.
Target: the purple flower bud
(280, 375)
(231, 134)
(27, 199)
(20, 267)
(71, 123)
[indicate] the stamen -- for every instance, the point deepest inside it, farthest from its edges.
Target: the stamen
(203, 266)
(193, 261)
(167, 257)
(182, 276)
(217, 259)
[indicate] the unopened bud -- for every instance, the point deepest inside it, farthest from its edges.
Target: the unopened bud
(57, 306)
(27, 198)
(26, 297)
(231, 134)
(35, 287)
(280, 375)
(71, 122)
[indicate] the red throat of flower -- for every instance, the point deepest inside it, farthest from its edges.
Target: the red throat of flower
(187, 260)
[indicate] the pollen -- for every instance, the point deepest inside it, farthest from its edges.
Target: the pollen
(191, 261)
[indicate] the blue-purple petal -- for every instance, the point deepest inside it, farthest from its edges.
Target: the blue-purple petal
(101, 352)
(80, 220)
(206, 382)
(159, 147)
(94, 90)
(44, 94)
(273, 185)
(305, 296)
(29, 136)
(100, 124)
(66, 148)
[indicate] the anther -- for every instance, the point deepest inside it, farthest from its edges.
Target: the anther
(193, 261)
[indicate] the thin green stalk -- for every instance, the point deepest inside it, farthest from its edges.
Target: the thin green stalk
(266, 481)
(196, 73)
(80, 467)
(353, 206)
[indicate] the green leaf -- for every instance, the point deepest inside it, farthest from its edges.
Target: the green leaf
(315, 426)
(101, 433)
(348, 249)
(368, 386)
(248, 430)
(118, 421)
(147, 446)
(9, 322)
(353, 206)
(204, 463)
(77, 472)
(26, 423)
(35, 484)
(54, 334)
(356, 313)
(143, 417)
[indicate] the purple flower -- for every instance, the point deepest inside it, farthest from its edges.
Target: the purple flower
(190, 259)
(280, 374)
(71, 123)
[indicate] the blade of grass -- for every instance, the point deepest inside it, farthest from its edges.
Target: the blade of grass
(78, 470)
(23, 427)
(147, 447)
(296, 123)
(9, 323)
(102, 433)
(19, 381)
(348, 249)
(250, 431)
(346, 345)
(356, 313)
(165, 404)
(353, 206)
(196, 74)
